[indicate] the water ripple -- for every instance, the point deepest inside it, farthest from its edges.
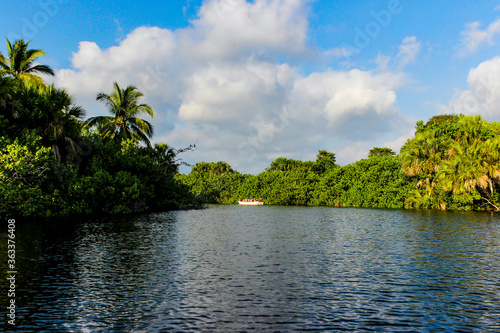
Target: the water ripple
(271, 269)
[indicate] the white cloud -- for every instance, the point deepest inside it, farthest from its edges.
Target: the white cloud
(224, 82)
(239, 92)
(473, 37)
(353, 103)
(227, 29)
(130, 62)
(483, 97)
(408, 51)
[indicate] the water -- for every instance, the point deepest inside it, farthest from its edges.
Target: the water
(263, 269)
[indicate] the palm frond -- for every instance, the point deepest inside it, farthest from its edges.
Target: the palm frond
(142, 125)
(141, 135)
(42, 69)
(3, 63)
(123, 104)
(32, 54)
(76, 111)
(98, 121)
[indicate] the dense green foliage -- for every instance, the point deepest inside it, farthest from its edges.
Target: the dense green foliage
(377, 151)
(453, 162)
(52, 164)
(377, 181)
(456, 160)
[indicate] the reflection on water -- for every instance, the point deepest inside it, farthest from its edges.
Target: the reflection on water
(232, 268)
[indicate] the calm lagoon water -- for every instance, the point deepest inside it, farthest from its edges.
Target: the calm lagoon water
(263, 269)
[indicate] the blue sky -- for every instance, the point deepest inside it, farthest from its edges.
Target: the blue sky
(253, 80)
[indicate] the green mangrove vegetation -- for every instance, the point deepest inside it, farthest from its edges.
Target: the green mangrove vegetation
(453, 162)
(54, 162)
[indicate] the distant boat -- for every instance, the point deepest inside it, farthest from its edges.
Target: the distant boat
(250, 202)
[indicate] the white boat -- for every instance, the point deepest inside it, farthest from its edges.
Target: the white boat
(250, 202)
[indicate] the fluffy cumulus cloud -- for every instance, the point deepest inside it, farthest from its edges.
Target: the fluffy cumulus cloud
(226, 82)
(348, 101)
(233, 93)
(136, 60)
(231, 28)
(473, 36)
(483, 97)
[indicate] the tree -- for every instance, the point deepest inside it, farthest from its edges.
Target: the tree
(49, 112)
(62, 127)
(124, 106)
(457, 160)
(20, 62)
(8, 105)
(284, 164)
(24, 167)
(473, 162)
(444, 122)
(324, 161)
(376, 151)
(6, 86)
(212, 169)
(423, 154)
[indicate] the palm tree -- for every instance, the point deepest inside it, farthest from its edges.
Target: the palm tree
(165, 156)
(62, 125)
(123, 104)
(423, 154)
(20, 62)
(473, 163)
(7, 107)
(221, 168)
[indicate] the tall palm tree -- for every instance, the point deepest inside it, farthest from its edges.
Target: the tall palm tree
(20, 62)
(124, 106)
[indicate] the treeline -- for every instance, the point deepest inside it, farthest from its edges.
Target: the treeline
(377, 181)
(53, 162)
(453, 162)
